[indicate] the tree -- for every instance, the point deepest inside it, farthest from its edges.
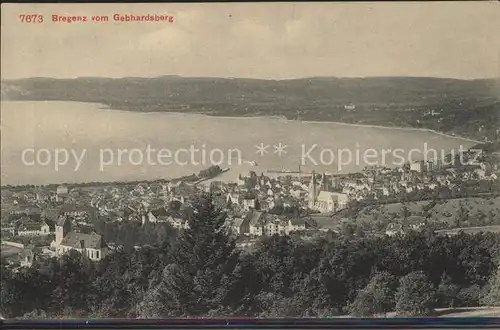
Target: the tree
(200, 278)
(174, 206)
(74, 291)
(492, 297)
(377, 297)
(447, 292)
(491, 218)
(415, 295)
(35, 315)
(24, 291)
(405, 212)
(462, 215)
(111, 296)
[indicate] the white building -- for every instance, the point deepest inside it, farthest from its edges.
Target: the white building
(417, 166)
(61, 193)
(92, 245)
(275, 227)
(33, 229)
(256, 223)
(320, 199)
(249, 204)
(329, 202)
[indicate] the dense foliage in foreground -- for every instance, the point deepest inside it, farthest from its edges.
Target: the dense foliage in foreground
(201, 273)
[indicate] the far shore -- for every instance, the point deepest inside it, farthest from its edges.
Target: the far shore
(105, 107)
(283, 119)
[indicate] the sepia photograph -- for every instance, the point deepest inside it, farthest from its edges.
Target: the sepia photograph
(250, 160)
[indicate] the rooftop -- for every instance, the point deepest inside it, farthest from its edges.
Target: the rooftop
(83, 241)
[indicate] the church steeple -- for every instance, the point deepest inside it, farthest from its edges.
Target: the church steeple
(63, 227)
(325, 184)
(313, 190)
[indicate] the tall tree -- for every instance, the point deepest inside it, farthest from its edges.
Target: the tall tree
(200, 279)
(492, 297)
(377, 297)
(415, 295)
(75, 285)
(447, 292)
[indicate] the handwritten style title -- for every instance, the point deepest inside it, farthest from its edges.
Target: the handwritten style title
(38, 18)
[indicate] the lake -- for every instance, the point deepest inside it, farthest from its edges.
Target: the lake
(83, 142)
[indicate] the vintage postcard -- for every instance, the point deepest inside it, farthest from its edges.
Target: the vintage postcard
(262, 160)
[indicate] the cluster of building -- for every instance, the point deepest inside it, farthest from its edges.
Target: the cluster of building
(258, 223)
(257, 205)
(45, 223)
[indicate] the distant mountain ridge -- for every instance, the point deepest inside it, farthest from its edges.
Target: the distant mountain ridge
(372, 89)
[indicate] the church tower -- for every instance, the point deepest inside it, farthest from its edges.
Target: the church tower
(313, 190)
(325, 184)
(63, 227)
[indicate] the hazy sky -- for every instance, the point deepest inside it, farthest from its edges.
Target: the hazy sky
(258, 40)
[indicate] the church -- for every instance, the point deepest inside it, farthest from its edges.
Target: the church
(323, 200)
(92, 245)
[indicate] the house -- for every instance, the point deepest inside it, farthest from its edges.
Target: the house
(297, 193)
(27, 209)
(50, 214)
(75, 211)
(27, 256)
(92, 245)
(418, 166)
(61, 193)
(249, 203)
(33, 229)
(161, 215)
(158, 215)
(480, 173)
(241, 180)
(394, 229)
(276, 226)
(296, 224)
(240, 226)
(178, 222)
(8, 230)
(428, 166)
(267, 204)
(256, 223)
(233, 198)
(415, 222)
(329, 202)
(42, 196)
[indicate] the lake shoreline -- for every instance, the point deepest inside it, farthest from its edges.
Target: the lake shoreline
(105, 107)
(284, 119)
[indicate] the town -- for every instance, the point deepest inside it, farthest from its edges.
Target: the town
(96, 219)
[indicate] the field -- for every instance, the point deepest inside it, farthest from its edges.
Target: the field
(481, 211)
(472, 230)
(470, 312)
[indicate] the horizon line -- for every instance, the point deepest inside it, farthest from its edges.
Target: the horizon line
(248, 78)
